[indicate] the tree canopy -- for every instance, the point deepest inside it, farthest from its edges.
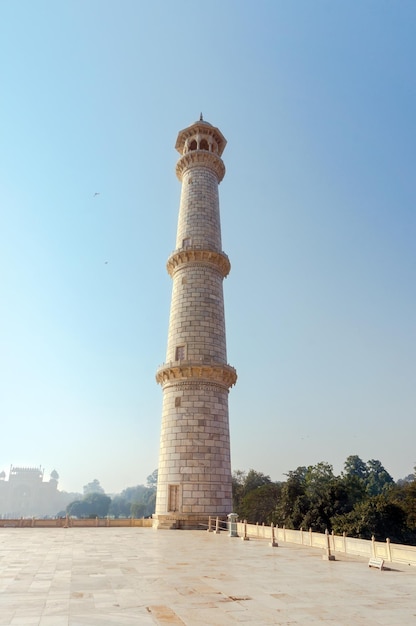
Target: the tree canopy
(93, 487)
(92, 505)
(138, 501)
(363, 501)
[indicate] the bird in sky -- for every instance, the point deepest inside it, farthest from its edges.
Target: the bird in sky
(97, 193)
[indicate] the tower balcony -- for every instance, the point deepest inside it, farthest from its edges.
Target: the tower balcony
(194, 371)
(201, 158)
(196, 254)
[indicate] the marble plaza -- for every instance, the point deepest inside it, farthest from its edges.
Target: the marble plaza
(134, 576)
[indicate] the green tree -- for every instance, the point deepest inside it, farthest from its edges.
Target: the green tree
(138, 509)
(404, 495)
(93, 487)
(410, 505)
(293, 504)
(238, 478)
(120, 507)
(243, 483)
(134, 494)
(152, 479)
(140, 500)
(362, 501)
(378, 479)
(376, 517)
(150, 503)
(355, 487)
(313, 495)
(325, 494)
(255, 479)
(355, 466)
(91, 505)
(259, 504)
(98, 503)
(78, 508)
(407, 479)
(372, 474)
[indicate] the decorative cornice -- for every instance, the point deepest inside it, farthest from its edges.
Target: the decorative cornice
(194, 255)
(204, 129)
(190, 371)
(198, 158)
(193, 385)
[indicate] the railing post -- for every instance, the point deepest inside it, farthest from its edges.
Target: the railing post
(209, 524)
(388, 549)
(373, 546)
(327, 556)
(344, 536)
(273, 543)
(310, 536)
(245, 537)
(301, 536)
(217, 526)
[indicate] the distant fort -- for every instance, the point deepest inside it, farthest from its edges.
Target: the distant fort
(26, 494)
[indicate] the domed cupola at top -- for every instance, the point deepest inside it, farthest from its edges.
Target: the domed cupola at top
(201, 136)
(201, 143)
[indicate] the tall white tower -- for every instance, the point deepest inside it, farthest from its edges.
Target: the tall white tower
(194, 478)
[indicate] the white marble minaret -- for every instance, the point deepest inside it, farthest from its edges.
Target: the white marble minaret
(194, 479)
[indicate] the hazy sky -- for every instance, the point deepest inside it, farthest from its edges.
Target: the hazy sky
(317, 100)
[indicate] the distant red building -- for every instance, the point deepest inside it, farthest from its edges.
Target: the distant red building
(26, 494)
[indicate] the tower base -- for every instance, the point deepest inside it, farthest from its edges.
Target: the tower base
(181, 521)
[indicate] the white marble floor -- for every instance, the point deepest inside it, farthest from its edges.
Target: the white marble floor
(135, 576)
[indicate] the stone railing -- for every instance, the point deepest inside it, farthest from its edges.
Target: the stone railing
(369, 549)
(71, 522)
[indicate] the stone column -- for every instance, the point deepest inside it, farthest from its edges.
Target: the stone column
(194, 479)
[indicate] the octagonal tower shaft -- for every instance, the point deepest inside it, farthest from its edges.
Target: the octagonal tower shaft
(194, 477)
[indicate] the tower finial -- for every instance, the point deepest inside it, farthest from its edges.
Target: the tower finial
(201, 119)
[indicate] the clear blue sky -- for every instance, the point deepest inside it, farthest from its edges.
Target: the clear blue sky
(317, 100)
